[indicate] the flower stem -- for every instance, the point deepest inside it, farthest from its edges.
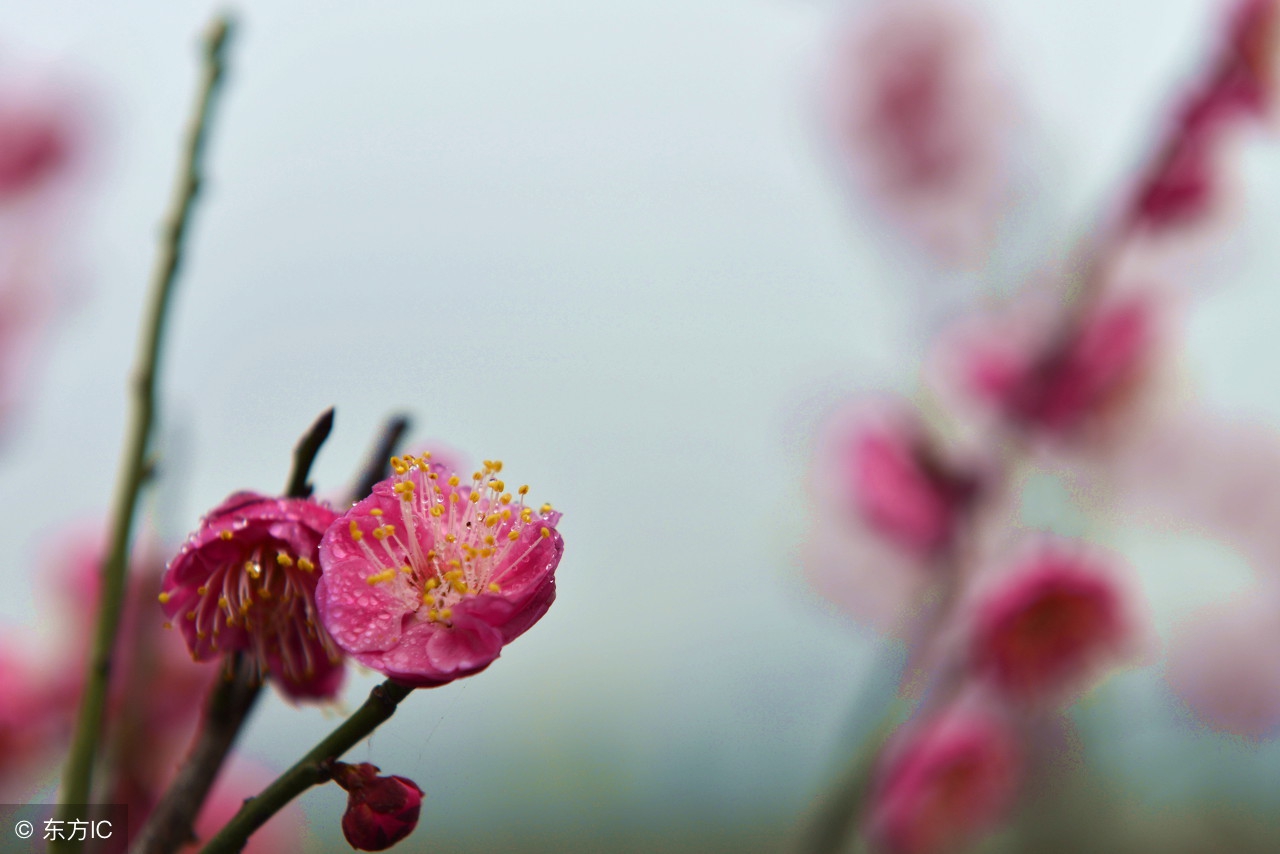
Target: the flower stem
(78, 775)
(171, 822)
(312, 769)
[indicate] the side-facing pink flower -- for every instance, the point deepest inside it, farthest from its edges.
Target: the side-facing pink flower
(944, 782)
(246, 581)
(381, 811)
(899, 487)
(1055, 378)
(1048, 624)
(1239, 86)
(431, 575)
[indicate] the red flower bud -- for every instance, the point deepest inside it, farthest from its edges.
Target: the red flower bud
(380, 810)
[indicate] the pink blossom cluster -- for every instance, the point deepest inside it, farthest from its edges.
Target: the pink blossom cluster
(918, 524)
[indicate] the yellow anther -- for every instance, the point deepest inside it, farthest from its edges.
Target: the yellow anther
(191, 616)
(225, 534)
(164, 598)
(382, 532)
(513, 536)
(477, 475)
(497, 485)
(264, 593)
(375, 512)
(379, 577)
(432, 583)
(506, 514)
(453, 498)
(202, 635)
(491, 520)
(546, 508)
(431, 555)
(486, 551)
(488, 540)
(453, 575)
(546, 533)
(355, 531)
(474, 498)
(283, 559)
(433, 614)
(506, 498)
(202, 590)
(454, 562)
(222, 602)
(428, 599)
(497, 465)
(438, 510)
(404, 488)
(494, 588)
(406, 569)
(398, 466)
(167, 624)
(454, 480)
(526, 515)
(305, 565)
(524, 490)
(253, 569)
(459, 586)
(433, 476)
(446, 613)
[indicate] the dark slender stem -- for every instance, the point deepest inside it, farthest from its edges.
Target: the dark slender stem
(78, 776)
(304, 454)
(377, 466)
(310, 770)
(171, 822)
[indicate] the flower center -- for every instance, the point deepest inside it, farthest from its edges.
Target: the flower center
(456, 539)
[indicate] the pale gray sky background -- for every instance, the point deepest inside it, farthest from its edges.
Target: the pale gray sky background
(603, 242)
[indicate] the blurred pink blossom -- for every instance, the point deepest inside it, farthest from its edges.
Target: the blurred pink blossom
(1222, 663)
(943, 782)
(1044, 627)
(922, 121)
(429, 577)
(36, 142)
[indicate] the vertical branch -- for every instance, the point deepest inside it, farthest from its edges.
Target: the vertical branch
(78, 775)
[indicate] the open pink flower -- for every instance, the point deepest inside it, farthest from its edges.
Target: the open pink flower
(381, 811)
(1047, 624)
(246, 580)
(944, 783)
(430, 576)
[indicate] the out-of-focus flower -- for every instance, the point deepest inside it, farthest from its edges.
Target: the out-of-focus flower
(921, 119)
(1188, 174)
(35, 144)
(1223, 665)
(430, 576)
(944, 782)
(1049, 376)
(246, 581)
(1046, 625)
(887, 506)
(33, 721)
(899, 488)
(381, 811)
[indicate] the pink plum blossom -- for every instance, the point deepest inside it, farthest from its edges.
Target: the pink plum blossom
(35, 143)
(381, 811)
(1222, 664)
(1187, 175)
(943, 782)
(429, 577)
(918, 114)
(1052, 374)
(1048, 624)
(899, 488)
(246, 581)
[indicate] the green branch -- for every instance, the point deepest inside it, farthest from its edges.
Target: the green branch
(310, 770)
(78, 776)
